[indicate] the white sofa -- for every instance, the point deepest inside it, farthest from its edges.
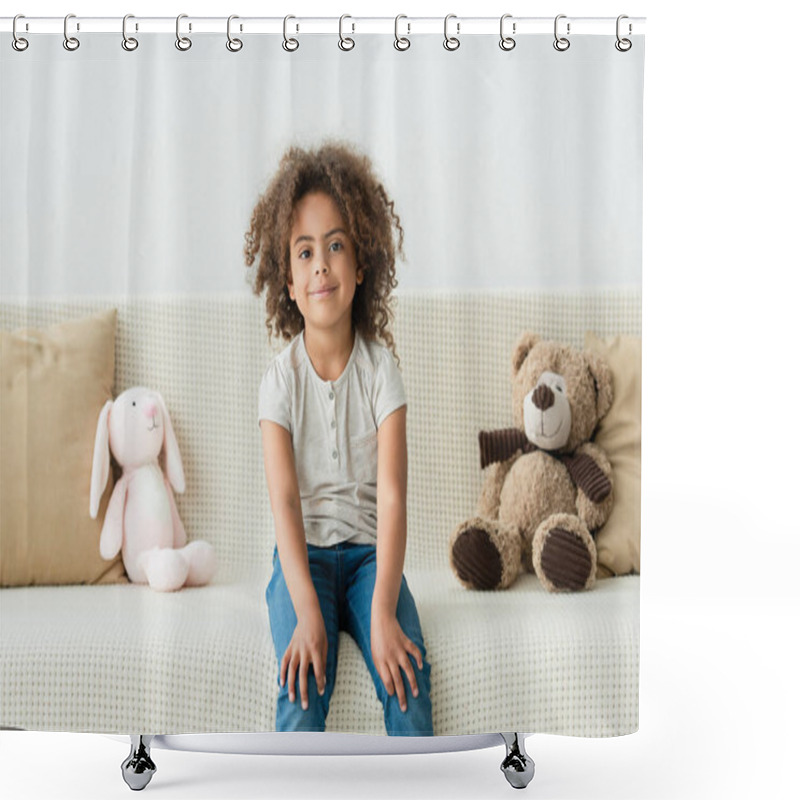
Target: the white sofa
(125, 659)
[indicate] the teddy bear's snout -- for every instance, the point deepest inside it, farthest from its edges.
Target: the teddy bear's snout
(543, 397)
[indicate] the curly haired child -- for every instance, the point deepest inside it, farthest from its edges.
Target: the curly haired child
(332, 412)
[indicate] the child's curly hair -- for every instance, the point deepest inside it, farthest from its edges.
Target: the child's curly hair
(346, 176)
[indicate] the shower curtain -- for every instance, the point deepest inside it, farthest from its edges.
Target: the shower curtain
(130, 175)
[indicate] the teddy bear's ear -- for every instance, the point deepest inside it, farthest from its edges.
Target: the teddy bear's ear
(603, 384)
(524, 345)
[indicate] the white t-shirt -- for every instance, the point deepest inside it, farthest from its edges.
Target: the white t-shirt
(334, 429)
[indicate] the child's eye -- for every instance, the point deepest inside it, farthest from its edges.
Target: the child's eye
(302, 253)
(337, 245)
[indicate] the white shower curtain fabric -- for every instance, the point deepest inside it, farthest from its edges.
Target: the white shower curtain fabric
(128, 184)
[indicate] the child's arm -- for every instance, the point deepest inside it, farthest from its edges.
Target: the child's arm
(309, 644)
(390, 646)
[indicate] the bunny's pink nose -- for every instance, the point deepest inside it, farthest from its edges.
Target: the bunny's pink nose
(150, 409)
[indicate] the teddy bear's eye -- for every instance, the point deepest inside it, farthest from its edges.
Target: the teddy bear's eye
(134, 402)
(560, 388)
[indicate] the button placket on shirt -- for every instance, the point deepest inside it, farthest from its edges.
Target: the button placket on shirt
(332, 398)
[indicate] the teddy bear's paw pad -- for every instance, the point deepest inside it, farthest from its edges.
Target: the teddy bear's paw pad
(566, 561)
(477, 560)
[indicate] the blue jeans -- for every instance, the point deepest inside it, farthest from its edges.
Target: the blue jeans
(344, 578)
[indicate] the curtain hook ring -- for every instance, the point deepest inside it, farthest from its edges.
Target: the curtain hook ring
(290, 45)
(70, 42)
(507, 42)
(561, 43)
(401, 43)
(18, 43)
(183, 43)
(346, 43)
(623, 45)
(451, 42)
(234, 45)
(129, 43)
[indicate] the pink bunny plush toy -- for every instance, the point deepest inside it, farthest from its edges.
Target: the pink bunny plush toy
(142, 518)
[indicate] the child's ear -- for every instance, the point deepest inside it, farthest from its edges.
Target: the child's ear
(290, 288)
(360, 276)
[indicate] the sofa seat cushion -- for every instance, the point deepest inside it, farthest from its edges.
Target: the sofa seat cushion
(124, 659)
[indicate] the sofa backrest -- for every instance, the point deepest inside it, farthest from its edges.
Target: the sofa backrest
(206, 356)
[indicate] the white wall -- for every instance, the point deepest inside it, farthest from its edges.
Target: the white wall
(721, 543)
(137, 172)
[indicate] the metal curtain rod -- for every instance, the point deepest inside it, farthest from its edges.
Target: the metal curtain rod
(461, 26)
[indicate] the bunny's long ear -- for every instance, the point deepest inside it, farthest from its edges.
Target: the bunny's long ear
(172, 456)
(100, 460)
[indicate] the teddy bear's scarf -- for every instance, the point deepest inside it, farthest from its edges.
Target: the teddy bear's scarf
(501, 444)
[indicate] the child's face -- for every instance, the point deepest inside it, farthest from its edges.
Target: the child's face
(324, 273)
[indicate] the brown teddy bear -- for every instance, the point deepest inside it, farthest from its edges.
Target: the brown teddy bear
(548, 487)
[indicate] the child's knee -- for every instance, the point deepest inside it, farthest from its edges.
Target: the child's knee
(291, 716)
(417, 719)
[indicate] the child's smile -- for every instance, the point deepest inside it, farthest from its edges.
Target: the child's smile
(323, 293)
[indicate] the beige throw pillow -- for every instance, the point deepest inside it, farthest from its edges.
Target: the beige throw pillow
(620, 435)
(53, 383)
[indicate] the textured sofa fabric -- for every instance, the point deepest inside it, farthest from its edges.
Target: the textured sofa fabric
(116, 659)
(122, 659)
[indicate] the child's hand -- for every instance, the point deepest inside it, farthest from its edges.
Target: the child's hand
(308, 648)
(390, 651)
